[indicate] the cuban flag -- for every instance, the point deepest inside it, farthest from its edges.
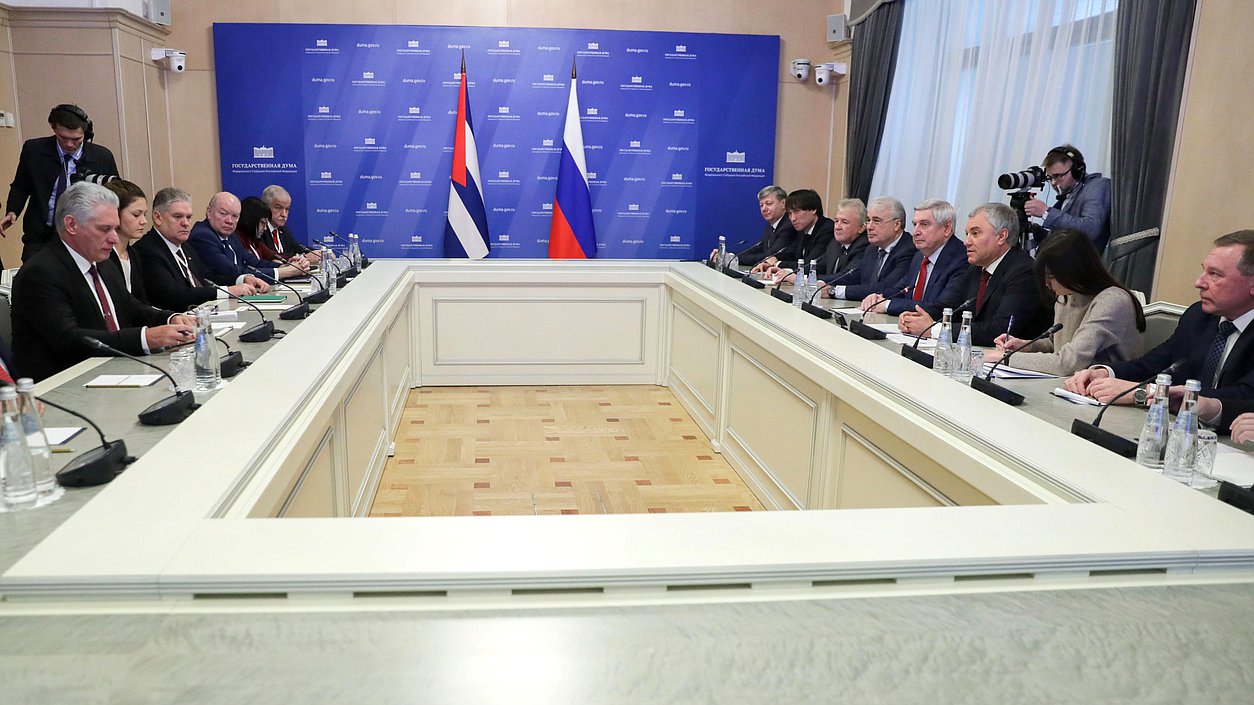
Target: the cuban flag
(571, 235)
(466, 228)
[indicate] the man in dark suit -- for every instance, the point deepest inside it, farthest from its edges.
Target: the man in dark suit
(225, 258)
(1214, 336)
(998, 280)
(814, 230)
(889, 251)
(849, 230)
(60, 295)
(44, 170)
(777, 235)
(934, 273)
(279, 237)
(174, 276)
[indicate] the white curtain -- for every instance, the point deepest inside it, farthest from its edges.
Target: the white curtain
(985, 87)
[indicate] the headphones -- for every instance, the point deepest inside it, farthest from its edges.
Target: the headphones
(77, 112)
(1078, 168)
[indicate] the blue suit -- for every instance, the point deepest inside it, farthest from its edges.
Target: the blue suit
(1087, 209)
(944, 282)
(866, 281)
(227, 260)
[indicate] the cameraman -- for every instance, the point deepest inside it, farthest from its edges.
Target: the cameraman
(1083, 199)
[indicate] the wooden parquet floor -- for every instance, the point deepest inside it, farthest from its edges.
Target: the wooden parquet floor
(553, 450)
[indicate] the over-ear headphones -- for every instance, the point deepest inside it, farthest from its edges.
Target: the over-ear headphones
(1078, 168)
(77, 112)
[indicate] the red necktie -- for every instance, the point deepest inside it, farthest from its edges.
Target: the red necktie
(110, 322)
(979, 297)
(5, 376)
(918, 284)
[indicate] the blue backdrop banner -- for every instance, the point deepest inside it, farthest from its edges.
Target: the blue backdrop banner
(357, 122)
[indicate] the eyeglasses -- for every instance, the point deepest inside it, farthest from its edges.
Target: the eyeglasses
(880, 221)
(1051, 178)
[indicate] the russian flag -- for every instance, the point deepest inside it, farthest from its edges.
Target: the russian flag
(571, 235)
(466, 228)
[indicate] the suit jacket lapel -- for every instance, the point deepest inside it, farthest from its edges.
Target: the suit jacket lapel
(84, 302)
(1238, 360)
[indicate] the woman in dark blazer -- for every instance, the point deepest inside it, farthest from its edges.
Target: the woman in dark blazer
(133, 217)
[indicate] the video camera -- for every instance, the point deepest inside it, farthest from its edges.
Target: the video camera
(1020, 185)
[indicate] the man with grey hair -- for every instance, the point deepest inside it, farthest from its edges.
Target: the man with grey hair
(174, 275)
(998, 281)
(888, 253)
(935, 273)
(278, 236)
(68, 292)
(778, 234)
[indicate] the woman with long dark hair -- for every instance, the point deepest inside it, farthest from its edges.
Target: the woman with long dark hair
(1102, 321)
(253, 216)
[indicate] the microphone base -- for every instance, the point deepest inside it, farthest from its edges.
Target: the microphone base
(231, 364)
(295, 313)
(1001, 394)
(168, 411)
(1236, 495)
(365, 261)
(862, 330)
(1112, 442)
(816, 311)
(781, 295)
(916, 355)
(259, 333)
(756, 284)
(318, 297)
(341, 281)
(733, 272)
(97, 466)
(351, 272)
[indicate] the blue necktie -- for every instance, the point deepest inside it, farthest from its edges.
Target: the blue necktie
(1210, 368)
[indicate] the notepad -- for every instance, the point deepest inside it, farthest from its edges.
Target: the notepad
(258, 298)
(1008, 372)
(123, 381)
(1075, 398)
(60, 435)
(1234, 465)
(266, 306)
(220, 328)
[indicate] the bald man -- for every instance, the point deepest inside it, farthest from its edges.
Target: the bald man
(225, 258)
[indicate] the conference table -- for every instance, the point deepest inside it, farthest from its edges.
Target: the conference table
(898, 493)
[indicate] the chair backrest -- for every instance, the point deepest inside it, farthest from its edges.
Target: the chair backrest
(1125, 245)
(1160, 322)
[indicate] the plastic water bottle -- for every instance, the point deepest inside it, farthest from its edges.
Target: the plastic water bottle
(722, 252)
(943, 358)
(37, 440)
(1153, 442)
(15, 458)
(799, 282)
(960, 368)
(331, 272)
(208, 364)
(812, 279)
(354, 250)
(1182, 441)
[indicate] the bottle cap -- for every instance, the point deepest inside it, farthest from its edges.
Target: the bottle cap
(1163, 379)
(1192, 386)
(8, 393)
(25, 384)
(966, 315)
(948, 312)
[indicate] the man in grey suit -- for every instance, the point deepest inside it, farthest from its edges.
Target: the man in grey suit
(1083, 201)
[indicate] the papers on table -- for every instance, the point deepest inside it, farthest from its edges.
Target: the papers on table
(267, 306)
(123, 381)
(905, 339)
(228, 315)
(1234, 465)
(60, 435)
(1075, 398)
(1008, 372)
(220, 328)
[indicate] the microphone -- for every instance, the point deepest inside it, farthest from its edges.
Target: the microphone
(1006, 357)
(960, 306)
(1112, 442)
(986, 385)
(259, 333)
(318, 297)
(170, 410)
(865, 331)
(232, 362)
(300, 310)
(912, 352)
(98, 465)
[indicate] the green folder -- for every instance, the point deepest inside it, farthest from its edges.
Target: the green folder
(265, 298)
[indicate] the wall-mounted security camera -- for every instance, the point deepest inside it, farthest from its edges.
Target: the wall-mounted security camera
(826, 73)
(801, 69)
(170, 59)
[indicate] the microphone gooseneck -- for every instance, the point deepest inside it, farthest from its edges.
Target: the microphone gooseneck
(165, 412)
(1005, 357)
(256, 334)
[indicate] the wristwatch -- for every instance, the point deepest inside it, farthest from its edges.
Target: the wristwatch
(1141, 396)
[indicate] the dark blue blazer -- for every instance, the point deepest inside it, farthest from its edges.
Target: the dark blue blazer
(944, 284)
(1190, 342)
(226, 260)
(865, 282)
